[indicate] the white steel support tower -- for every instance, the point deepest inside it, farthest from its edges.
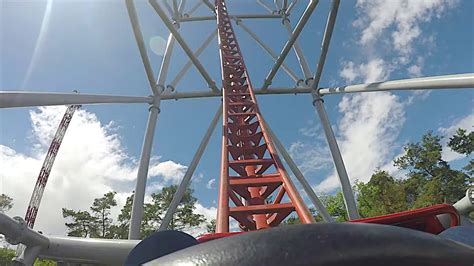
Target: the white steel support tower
(175, 14)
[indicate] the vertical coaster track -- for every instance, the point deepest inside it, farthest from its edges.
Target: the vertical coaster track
(251, 169)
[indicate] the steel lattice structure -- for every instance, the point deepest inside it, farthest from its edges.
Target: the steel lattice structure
(250, 147)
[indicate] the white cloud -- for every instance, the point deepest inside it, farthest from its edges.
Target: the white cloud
(90, 162)
(392, 29)
(414, 70)
(210, 183)
(466, 123)
(367, 134)
(374, 70)
(402, 18)
(169, 170)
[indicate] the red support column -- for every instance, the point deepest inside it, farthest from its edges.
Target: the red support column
(251, 170)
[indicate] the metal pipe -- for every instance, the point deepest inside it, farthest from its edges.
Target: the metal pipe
(290, 7)
(338, 161)
(9, 99)
(268, 50)
(142, 174)
(456, 81)
(346, 187)
(16, 231)
(168, 7)
(178, 196)
(169, 48)
(175, 9)
(209, 5)
(188, 65)
(325, 44)
(286, 49)
(183, 44)
(132, 13)
(306, 186)
(299, 52)
(193, 9)
(242, 16)
(88, 250)
(166, 61)
(269, 9)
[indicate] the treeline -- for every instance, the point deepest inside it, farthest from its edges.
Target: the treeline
(429, 180)
(98, 223)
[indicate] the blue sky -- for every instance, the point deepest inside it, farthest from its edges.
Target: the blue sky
(89, 46)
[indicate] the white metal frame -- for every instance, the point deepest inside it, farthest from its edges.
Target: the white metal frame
(112, 251)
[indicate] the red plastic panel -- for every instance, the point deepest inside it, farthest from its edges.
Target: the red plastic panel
(423, 219)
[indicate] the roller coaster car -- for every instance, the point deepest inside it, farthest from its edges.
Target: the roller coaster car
(426, 236)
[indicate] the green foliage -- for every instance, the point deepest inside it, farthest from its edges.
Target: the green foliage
(183, 217)
(83, 223)
(381, 195)
(6, 256)
(335, 206)
(461, 142)
(41, 262)
(6, 203)
(101, 212)
(96, 223)
(430, 179)
(211, 226)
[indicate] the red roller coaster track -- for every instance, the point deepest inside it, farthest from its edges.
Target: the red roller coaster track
(251, 170)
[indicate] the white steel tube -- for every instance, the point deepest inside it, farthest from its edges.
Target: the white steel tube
(456, 81)
(189, 172)
(132, 13)
(88, 250)
(9, 99)
(325, 44)
(338, 161)
(269, 9)
(269, 51)
(296, 171)
(299, 52)
(286, 49)
(183, 44)
(142, 174)
(193, 9)
(188, 65)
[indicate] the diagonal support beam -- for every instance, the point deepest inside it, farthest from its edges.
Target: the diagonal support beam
(183, 44)
(318, 103)
(188, 65)
(269, 51)
(286, 49)
(306, 186)
(178, 196)
(325, 43)
(132, 13)
(299, 52)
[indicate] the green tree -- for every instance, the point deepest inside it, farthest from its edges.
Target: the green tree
(101, 212)
(464, 144)
(83, 223)
(6, 256)
(430, 178)
(120, 230)
(183, 217)
(335, 206)
(381, 195)
(211, 226)
(6, 203)
(461, 142)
